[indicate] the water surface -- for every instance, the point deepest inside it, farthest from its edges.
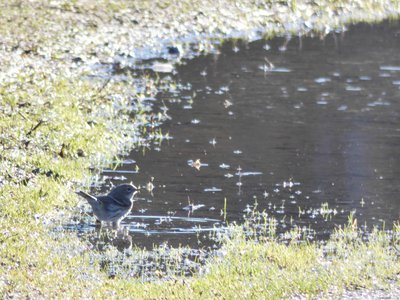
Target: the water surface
(307, 128)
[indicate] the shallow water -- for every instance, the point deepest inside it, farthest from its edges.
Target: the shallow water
(308, 128)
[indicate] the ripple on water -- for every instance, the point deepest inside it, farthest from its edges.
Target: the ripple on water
(213, 189)
(322, 80)
(378, 103)
(151, 225)
(390, 68)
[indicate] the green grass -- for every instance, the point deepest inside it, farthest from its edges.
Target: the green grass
(249, 268)
(51, 131)
(55, 124)
(265, 268)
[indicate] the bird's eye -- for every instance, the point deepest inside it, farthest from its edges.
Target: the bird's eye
(129, 189)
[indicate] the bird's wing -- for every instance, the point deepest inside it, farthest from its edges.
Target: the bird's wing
(110, 201)
(112, 207)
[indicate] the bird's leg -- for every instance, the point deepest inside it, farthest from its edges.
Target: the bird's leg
(116, 225)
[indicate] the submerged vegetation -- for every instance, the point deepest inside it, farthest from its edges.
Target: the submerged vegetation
(61, 116)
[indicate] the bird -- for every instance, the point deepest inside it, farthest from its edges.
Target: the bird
(115, 206)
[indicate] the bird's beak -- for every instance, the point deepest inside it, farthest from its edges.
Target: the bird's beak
(135, 187)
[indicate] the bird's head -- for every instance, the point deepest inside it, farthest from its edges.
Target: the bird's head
(124, 192)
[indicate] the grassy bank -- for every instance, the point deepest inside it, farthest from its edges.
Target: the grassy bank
(56, 124)
(267, 269)
(52, 131)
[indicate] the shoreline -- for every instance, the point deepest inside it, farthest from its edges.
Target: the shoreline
(73, 37)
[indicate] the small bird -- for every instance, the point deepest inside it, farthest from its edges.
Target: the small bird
(113, 207)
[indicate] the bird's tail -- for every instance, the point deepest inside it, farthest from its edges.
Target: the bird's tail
(91, 199)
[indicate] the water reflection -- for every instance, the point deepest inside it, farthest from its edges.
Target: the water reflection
(306, 132)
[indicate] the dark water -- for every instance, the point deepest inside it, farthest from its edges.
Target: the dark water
(307, 128)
